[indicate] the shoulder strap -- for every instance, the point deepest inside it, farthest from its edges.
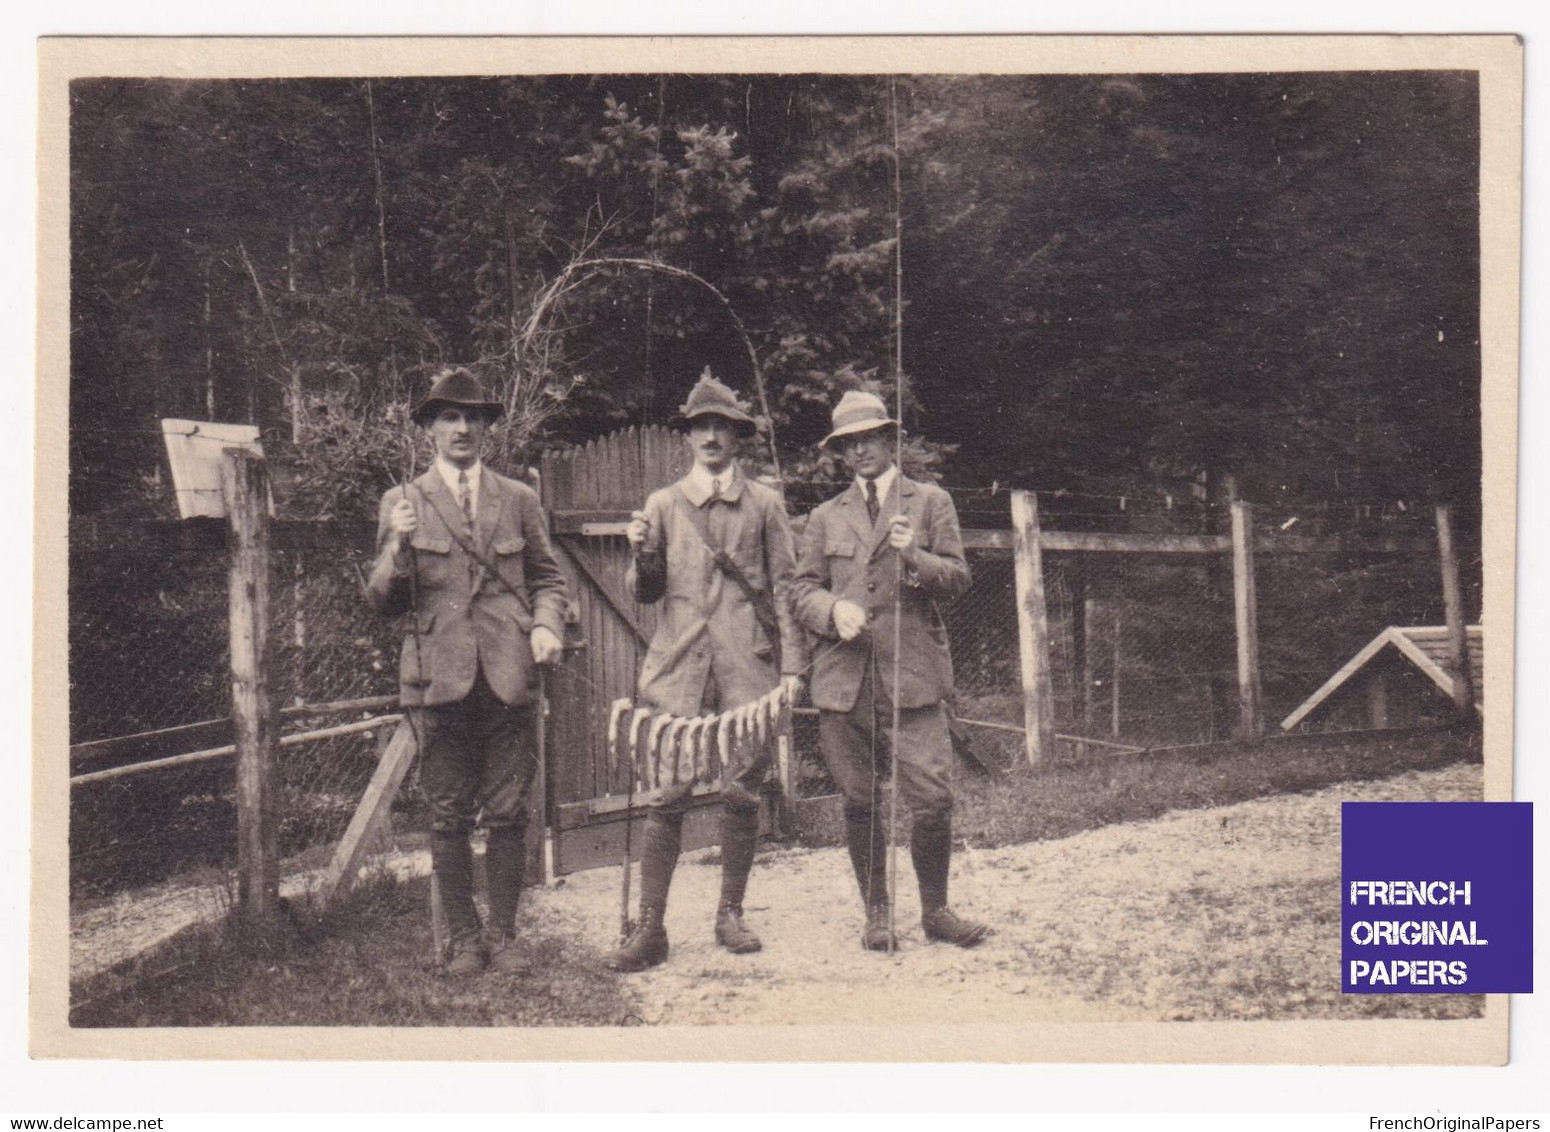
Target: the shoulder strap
(455, 530)
(763, 601)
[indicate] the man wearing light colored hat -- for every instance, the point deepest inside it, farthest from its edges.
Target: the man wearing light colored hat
(855, 550)
(715, 549)
(463, 554)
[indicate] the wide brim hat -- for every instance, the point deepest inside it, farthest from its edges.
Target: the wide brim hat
(456, 387)
(859, 412)
(710, 398)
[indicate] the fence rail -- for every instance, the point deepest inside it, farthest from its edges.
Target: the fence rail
(1069, 638)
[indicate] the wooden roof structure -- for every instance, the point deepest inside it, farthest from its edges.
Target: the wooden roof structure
(1425, 646)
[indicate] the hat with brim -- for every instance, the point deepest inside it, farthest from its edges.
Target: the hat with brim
(455, 388)
(710, 398)
(859, 412)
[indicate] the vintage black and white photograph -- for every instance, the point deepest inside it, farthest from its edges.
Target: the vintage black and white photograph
(621, 557)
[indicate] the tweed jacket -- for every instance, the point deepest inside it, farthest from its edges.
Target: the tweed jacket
(458, 618)
(707, 625)
(843, 555)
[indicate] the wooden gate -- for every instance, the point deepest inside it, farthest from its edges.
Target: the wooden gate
(589, 492)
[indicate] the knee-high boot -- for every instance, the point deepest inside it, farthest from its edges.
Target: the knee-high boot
(739, 839)
(660, 846)
(505, 860)
(452, 860)
(931, 849)
(868, 847)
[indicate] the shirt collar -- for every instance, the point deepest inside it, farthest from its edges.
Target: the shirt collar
(698, 484)
(884, 483)
(450, 471)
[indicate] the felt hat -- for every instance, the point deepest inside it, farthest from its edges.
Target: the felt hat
(710, 397)
(455, 387)
(859, 412)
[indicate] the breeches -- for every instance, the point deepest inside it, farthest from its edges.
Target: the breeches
(922, 752)
(478, 760)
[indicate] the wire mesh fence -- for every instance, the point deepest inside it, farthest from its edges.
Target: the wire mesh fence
(982, 636)
(148, 635)
(152, 847)
(1142, 653)
(1318, 609)
(1141, 648)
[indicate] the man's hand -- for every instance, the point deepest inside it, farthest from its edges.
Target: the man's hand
(403, 521)
(901, 536)
(792, 686)
(849, 619)
(637, 530)
(546, 646)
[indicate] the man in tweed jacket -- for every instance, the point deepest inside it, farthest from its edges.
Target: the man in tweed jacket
(711, 650)
(463, 555)
(856, 548)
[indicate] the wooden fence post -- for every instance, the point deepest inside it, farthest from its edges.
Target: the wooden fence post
(245, 488)
(1032, 628)
(1251, 725)
(1453, 612)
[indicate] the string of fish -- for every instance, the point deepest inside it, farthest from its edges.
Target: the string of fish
(669, 750)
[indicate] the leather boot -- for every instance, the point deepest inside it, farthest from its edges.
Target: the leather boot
(877, 935)
(452, 860)
(739, 840)
(931, 848)
(505, 858)
(647, 945)
(868, 847)
(732, 933)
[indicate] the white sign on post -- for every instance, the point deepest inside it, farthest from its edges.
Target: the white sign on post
(194, 450)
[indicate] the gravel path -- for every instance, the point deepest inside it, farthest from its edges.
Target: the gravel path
(1223, 913)
(1229, 912)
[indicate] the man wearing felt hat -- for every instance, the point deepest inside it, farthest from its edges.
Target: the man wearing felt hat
(715, 550)
(885, 528)
(463, 555)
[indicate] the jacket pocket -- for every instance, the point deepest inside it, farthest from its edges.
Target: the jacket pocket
(507, 553)
(431, 545)
(840, 548)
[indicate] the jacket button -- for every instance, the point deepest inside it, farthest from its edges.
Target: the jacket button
(871, 586)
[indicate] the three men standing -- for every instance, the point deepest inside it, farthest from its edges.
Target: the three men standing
(715, 549)
(465, 554)
(848, 592)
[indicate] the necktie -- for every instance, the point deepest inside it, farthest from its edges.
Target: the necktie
(715, 490)
(465, 499)
(872, 506)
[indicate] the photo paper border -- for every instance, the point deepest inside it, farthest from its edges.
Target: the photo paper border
(1499, 61)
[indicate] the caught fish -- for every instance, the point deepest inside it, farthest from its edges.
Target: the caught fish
(659, 723)
(724, 738)
(760, 720)
(694, 739)
(674, 745)
(615, 716)
(636, 720)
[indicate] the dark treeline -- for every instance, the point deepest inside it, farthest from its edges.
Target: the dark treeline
(1113, 283)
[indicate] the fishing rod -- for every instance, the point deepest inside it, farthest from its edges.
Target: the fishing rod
(438, 911)
(898, 559)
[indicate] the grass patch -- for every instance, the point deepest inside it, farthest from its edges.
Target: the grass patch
(1063, 797)
(1060, 799)
(367, 963)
